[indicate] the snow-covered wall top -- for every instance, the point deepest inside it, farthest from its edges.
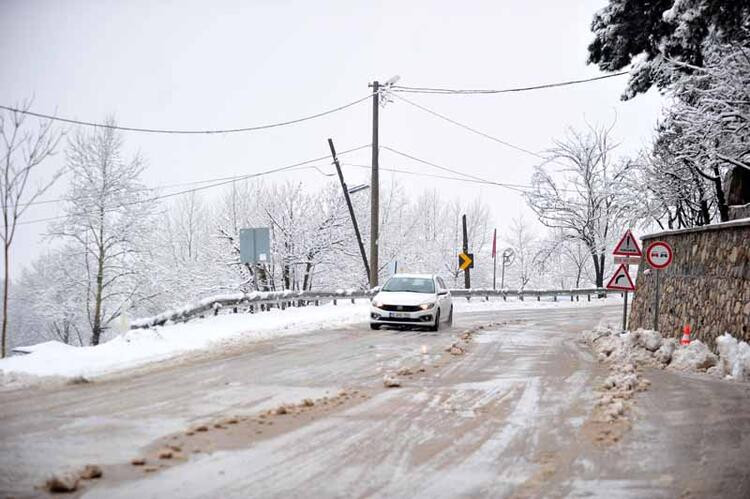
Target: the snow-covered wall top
(707, 285)
(744, 222)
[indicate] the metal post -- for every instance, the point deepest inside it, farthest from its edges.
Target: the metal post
(494, 258)
(502, 278)
(467, 274)
(351, 209)
(374, 188)
(625, 313)
(656, 304)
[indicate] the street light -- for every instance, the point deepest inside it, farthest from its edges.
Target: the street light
(358, 188)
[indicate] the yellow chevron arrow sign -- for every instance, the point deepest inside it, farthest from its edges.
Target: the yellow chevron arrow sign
(465, 261)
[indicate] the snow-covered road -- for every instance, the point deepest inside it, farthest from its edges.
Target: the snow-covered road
(508, 417)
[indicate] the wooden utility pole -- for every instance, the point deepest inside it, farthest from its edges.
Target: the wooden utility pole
(351, 209)
(374, 189)
(467, 271)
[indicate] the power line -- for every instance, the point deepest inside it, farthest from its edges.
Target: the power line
(467, 127)
(158, 187)
(444, 177)
(229, 180)
(434, 165)
(185, 132)
(472, 178)
(454, 91)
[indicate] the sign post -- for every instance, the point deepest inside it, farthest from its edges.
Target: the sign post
(626, 252)
(494, 258)
(659, 256)
(465, 261)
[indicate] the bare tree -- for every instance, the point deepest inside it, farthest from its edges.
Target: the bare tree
(25, 147)
(522, 239)
(588, 198)
(107, 221)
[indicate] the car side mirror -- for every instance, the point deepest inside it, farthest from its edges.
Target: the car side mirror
(376, 289)
(443, 292)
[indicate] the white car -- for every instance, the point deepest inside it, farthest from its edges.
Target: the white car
(412, 300)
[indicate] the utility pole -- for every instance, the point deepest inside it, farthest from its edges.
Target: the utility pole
(467, 271)
(351, 210)
(374, 188)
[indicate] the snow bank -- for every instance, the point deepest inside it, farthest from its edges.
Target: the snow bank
(735, 357)
(140, 346)
(694, 357)
(619, 351)
(646, 347)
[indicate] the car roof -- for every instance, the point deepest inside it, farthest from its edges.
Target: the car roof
(423, 276)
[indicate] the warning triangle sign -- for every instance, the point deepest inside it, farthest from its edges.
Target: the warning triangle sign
(628, 246)
(621, 280)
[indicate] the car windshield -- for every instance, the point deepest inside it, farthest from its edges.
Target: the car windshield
(410, 285)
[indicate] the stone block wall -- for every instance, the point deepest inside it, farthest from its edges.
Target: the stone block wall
(707, 285)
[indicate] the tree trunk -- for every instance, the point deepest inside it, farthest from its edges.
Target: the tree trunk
(721, 199)
(97, 330)
(598, 270)
(307, 278)
(5, 302)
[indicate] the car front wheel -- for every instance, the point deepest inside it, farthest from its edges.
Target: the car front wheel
(450, 317)
(436, 326)
(374, 326)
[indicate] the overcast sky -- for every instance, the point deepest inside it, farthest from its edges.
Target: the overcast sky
(204, 65)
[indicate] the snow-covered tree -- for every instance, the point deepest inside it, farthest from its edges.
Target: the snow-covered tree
(24, 148)
(651, 33)
(587, 197)
(107, 219)
(524, 242)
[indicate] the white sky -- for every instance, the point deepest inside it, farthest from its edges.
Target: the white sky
(190, 66)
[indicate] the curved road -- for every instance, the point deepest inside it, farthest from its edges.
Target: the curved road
(504, 419)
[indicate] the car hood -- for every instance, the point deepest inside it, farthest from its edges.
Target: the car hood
(404, 298)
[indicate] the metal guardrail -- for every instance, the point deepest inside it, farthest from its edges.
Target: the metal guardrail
(260, 301)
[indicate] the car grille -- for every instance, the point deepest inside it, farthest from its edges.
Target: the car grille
(402, 319)
(401, 308)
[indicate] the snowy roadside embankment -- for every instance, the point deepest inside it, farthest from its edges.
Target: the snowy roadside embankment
(137, 347)
(647, 347)
(627, 353)
(140, 346)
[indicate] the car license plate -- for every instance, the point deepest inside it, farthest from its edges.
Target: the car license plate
(398, 315)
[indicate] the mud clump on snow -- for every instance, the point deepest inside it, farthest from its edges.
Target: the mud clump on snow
(455, 349)
(69, 481)
(391, 381)
(79, 380)
(91, 472)
(63, 482)
(281, 410)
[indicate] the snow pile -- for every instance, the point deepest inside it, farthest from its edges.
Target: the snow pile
(140, 346)
(647, 347)
(735, 357)
(694, 357)
(621, 353)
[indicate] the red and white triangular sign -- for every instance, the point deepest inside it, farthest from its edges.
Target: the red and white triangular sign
(621, 280)
(628, 246)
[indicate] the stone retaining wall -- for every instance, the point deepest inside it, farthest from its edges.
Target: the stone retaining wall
(707, 285)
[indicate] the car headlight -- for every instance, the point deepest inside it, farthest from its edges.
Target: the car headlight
(427, 306)
(377, 304)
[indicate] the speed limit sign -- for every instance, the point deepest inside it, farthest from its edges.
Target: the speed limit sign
(659, 255)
